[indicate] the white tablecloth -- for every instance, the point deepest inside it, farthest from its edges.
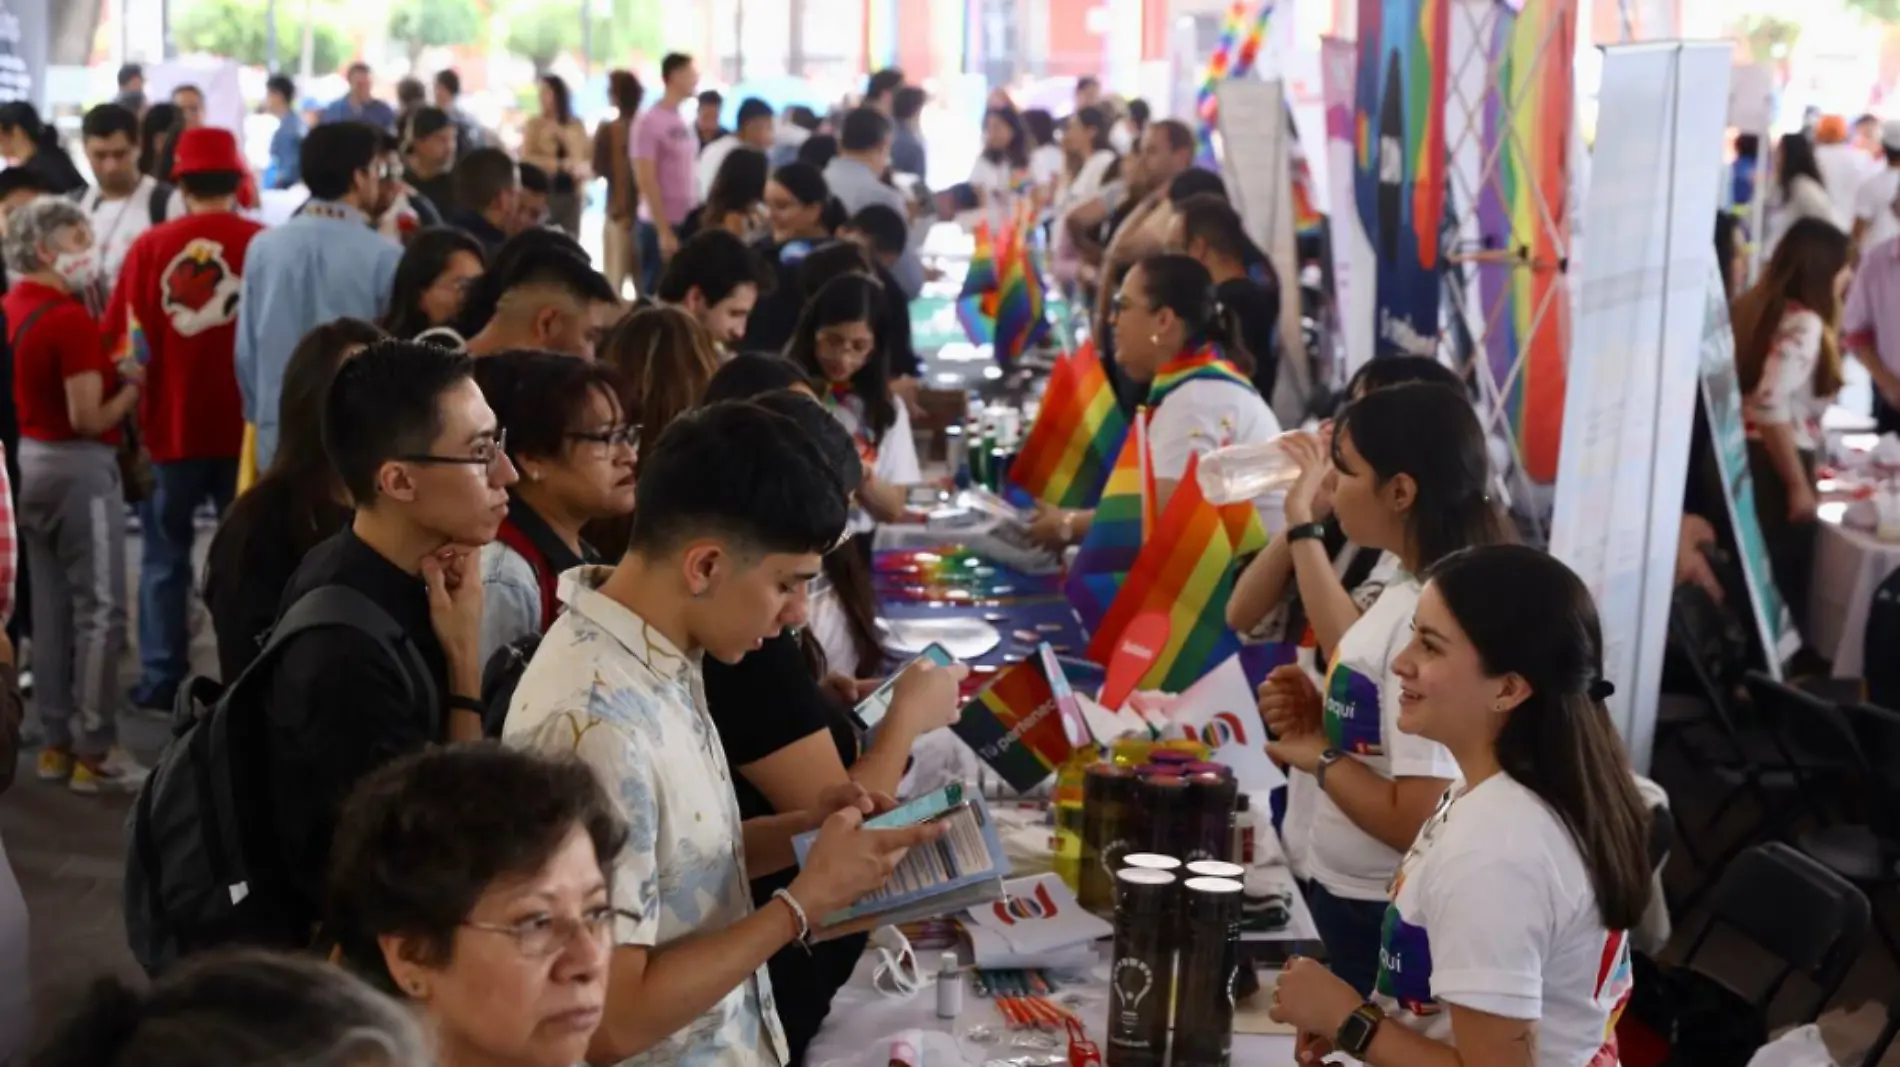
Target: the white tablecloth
(863, 1022)
(1848, 564)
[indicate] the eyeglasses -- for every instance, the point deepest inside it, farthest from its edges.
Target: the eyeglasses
(1118, 304)
(614, 437)
(541, 936)
(488, 454)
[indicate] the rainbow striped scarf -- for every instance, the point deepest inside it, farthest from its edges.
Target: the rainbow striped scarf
(1206, 364)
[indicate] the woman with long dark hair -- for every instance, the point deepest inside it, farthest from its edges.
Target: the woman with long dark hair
(295, 504)
(160, 126)
(1411, 477)
(801, 215)
(784, 757)
(1173, 337)
(1505, 938)
(28, 142)
(1797, 192)
(1788, 358)
(432, 280)
(736, 201)
(839, 342)
(557, 142)
(1002, 168)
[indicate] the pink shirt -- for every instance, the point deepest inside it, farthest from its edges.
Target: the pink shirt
(1871, 318)
(660, 134)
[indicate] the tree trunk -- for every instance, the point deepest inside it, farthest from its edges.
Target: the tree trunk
(73, 24)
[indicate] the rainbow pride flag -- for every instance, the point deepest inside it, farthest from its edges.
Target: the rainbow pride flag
(1072, 444)
(976, 304)
(1184, 571)
(1013, 725)
(1123, 518)
(1020, 321)
(1526, 127)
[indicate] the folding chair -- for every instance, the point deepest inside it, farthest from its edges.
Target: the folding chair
(1885, 1040)
(1809, 918)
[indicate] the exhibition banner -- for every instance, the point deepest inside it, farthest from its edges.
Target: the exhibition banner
(1641, 324)
(1399, 164)
(1354, 284)
(26, 38)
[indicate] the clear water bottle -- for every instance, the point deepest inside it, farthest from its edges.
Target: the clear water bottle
(1240, 474)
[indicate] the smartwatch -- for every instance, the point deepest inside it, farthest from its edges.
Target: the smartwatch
(1326, 759)
(1356, 1033)
(1306, 531)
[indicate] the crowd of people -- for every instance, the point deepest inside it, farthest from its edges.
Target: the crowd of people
(542, 611)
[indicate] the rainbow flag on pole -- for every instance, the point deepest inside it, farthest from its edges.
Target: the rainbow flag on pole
(1002, 302)
(1123, 517)
(1185, 571)
(976, 304)
(1072, 444)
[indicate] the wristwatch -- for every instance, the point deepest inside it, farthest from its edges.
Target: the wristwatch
(1306, 531)
(1356, 1033)
(1326, 759)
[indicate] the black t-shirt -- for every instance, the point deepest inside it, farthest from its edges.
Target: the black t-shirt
(439, 191)
(1258, 307)
(761, 704)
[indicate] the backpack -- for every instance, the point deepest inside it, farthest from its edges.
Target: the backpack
(502, 673)
(1878, 662)
(194, 876)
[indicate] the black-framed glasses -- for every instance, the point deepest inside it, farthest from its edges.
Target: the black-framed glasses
(1117, 304)
(488, 454)
(612, 437)
(541, 936)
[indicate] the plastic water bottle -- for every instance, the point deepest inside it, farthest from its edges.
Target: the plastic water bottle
(1244, 473)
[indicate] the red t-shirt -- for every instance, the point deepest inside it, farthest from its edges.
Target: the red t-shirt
(175, 311)
(63, 342)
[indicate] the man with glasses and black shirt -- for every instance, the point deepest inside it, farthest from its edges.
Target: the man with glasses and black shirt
(415, 444)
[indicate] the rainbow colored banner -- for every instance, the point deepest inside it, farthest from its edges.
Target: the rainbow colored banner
(1071, 447)
(1123, 518)
(1014, 727)
(1399, 163)
(1527, 124)
(1186, 572)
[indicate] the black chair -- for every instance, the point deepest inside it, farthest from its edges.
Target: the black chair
(1809, 918)
(1885, 1040)
(1810, 736)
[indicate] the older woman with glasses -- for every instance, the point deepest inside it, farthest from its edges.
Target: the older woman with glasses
(570, 439)
(473, 880)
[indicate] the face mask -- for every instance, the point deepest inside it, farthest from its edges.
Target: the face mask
(76, 268)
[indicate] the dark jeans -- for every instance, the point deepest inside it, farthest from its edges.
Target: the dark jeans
(165, 570)
(1352, 930)
(1790, 544)
(650, 265)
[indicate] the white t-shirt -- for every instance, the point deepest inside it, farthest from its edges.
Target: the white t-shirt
(1201, 415)
(1045, 165)
(993, 176)
(892, 460)
(1361, 719)
(1874, 203)
(1843, 168)
(117, 223)
(1493, 911)
(1296, 827)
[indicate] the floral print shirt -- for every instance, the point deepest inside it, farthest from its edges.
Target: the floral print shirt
(613, 690)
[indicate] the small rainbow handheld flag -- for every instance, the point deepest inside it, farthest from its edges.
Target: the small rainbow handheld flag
(1020, 322)
(1123, 517)
(976, 304)
(1014, 726)
(1072, 445)
(1185, 571)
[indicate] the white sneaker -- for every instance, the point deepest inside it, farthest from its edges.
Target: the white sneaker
(118, 772)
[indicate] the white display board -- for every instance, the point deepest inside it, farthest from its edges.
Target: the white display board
(1256, 163)
(1630, 403)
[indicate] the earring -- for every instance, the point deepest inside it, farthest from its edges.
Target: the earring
(534, 475)
(1154, 338)
(415, 989)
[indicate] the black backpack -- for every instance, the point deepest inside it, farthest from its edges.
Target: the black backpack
(196, 873)
(1878, 661)
(157, 211)
(501, 676)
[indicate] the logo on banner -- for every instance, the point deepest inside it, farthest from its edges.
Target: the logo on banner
(1224, 729)
(1037, 905)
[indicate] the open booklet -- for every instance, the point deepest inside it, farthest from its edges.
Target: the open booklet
(962, 869)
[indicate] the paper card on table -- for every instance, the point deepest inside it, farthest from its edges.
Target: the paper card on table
(1014, 727)
(1221, 711)
(1108, 725)
(1037, 914)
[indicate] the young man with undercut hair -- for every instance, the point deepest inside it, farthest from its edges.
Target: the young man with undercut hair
(548, 296)
(174, 312)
